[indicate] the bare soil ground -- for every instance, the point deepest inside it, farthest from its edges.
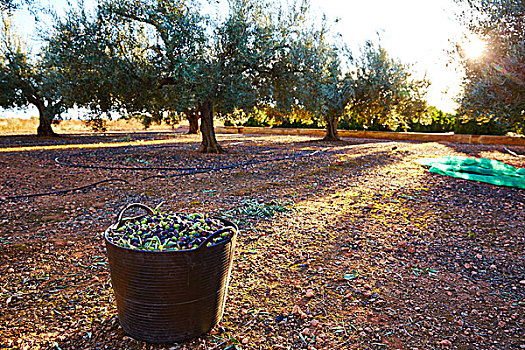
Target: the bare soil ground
(378, 253)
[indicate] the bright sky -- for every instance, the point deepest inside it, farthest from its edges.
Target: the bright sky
(415, 31)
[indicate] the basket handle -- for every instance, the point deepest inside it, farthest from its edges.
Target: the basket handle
(120, 216)
(213, 235)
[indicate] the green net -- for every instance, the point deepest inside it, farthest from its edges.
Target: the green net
(477, 169)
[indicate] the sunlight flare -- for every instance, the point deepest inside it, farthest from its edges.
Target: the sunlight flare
(474, 48)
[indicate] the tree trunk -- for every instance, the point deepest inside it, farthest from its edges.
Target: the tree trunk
(44, 128)
(209, 142)
(193, 118)
(331, 128)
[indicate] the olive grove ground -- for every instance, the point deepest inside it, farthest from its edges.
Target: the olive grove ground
(376, 254)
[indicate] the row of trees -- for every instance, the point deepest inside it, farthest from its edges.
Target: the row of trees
(379, 91)
(158, 60)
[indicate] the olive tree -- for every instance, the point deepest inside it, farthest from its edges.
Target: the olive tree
(26, 80)
(310, 82)
(384, 91)
(494, 83)
(336, 92)
(91, 58)
(153, 58)
(325, 90)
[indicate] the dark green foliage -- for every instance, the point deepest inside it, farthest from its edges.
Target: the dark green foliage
(492, 127)
(97, 124)
(352, 123)
(299, 124)
(434, 121)
(252, 121)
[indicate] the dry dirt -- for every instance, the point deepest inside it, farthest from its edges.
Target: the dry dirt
(377, 254)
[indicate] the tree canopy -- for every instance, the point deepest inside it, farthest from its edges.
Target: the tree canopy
(384, 91)
(9, 5)
(324, 90)
(26, 80)
(494, 85)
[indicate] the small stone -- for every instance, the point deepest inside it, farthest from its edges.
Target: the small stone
(314, 323)
(306, 331)
(309, 293)
(411, 250)
(501, 324)
(467, 266)
(296, 310)
(245, 340)
(11, 270)
(401, 244)
(522, 282)
(60, 242)
(367, 293)
(479, 256)
(445, 342)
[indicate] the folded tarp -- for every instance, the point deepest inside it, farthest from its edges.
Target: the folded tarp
(477, 169)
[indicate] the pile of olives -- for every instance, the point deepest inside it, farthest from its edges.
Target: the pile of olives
(162, 231)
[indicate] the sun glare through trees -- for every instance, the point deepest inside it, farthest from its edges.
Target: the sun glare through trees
(474, 48)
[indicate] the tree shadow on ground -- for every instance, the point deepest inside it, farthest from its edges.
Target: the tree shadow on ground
(84, 138)
(491, 151)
